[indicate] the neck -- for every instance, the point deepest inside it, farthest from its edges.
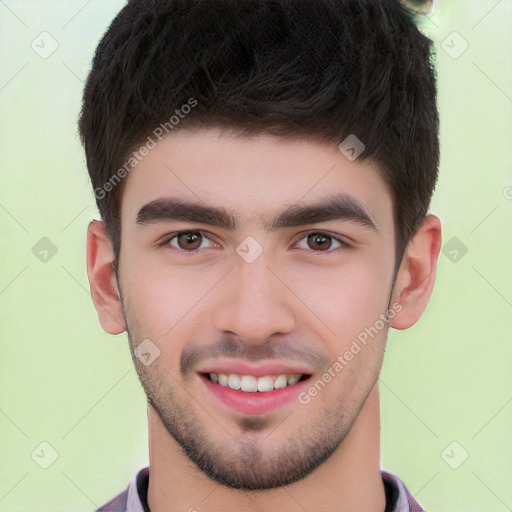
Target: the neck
(348, 480)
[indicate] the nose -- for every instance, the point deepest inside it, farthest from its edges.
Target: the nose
(253, 303)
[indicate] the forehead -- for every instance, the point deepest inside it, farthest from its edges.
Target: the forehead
(254, 177)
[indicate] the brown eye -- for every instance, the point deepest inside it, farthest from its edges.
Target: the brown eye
(187, 241)
(319, 241)
(322, 242)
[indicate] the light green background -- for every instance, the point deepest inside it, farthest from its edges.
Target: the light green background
(66, 382)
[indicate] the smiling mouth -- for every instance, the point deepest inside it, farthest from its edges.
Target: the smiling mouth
(254, 384)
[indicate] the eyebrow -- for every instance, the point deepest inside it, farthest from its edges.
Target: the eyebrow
(336, 207)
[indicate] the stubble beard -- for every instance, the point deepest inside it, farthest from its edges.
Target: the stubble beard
(240, 460)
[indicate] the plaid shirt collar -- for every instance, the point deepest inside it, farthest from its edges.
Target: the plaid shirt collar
(134, 498)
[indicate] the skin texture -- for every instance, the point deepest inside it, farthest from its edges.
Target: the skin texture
(299, 301)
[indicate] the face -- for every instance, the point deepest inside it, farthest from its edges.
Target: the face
(259, 264)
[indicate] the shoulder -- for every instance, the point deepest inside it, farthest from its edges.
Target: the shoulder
(117, 504)
(127, 500)
(398, 497)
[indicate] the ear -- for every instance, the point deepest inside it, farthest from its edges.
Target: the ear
(417, 273)
(102, 279)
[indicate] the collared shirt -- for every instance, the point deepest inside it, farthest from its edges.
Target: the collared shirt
(135, 497)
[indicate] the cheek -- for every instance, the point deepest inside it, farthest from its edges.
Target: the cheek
(160, 298)
(348, 298)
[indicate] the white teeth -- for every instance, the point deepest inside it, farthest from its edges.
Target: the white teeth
(280, 382)
(234, 381)
(252, 384)
(249, 383)
(293, 379)
(265, 384)
(223, 379)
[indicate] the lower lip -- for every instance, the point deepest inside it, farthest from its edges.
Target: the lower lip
(256, 402)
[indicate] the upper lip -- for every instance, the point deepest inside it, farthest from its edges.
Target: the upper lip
(258, 369)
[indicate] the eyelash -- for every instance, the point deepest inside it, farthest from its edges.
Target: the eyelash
(165, 242)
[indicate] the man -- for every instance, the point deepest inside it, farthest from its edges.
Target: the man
(263, 170)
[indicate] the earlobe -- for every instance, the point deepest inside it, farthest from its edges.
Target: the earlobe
(417, 273)
(102, 279)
